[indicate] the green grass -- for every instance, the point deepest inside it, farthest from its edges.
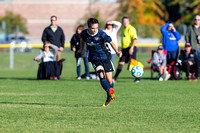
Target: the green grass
(70, 105)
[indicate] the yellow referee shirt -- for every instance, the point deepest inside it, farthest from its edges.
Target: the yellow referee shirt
(128, 34)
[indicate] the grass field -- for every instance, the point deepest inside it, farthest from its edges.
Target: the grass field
(70, 105)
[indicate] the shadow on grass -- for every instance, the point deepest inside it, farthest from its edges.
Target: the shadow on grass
(17, 78)
(47, 104)
(145, 78)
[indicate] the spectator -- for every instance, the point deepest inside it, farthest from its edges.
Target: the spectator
(75, 47)
(193, 35)
(128, 41)
(159, 62)
(170, 41)
(189, 61)
(55, 35)
(111, 29)
(47, 54)
(49, 67)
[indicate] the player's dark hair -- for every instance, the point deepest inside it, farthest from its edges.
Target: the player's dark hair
(125, 17)
(92, 21)
(81, 27)
(106, 26)
(53, 17)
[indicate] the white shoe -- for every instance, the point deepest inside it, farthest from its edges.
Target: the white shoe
(167, 77)
(88, 78)
(79, 78)
(160, 79)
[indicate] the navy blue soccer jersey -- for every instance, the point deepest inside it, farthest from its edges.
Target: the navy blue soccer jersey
(96, 45)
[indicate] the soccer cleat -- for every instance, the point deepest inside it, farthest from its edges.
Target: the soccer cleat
(137, 80)
(87, 77)
(62, 60)
(195, 79)
(114, 80)
(189, 79)
(111, 94)
(106, 103)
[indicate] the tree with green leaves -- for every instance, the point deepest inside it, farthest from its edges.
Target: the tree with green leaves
(12, 21)
(182, 11)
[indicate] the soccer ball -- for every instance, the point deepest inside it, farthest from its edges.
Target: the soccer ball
(137, 71)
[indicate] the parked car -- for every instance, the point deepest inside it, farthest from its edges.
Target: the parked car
(21, 40)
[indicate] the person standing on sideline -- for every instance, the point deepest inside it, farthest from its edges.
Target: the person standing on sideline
(95, 40)
(192, 35)
(111, 29)
(55, 35)
(75, 47)
(128, 41)
(170, 41)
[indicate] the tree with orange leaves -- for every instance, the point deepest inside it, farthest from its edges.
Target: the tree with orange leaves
(144, 12)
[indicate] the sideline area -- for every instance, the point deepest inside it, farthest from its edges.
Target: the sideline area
(68, 45)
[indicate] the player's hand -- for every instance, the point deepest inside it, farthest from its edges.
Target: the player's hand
(131, 50)
(190, 63)
(79, 51)
(35, 59)
(198, 37)
(74, 49)
(119, 54)
(61, 49)
(173, 28)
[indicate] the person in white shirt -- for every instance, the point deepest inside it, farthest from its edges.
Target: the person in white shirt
(48, 54)
(49, 68)
(111, 29)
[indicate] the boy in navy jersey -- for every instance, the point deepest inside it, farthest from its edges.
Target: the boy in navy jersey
(99, 56)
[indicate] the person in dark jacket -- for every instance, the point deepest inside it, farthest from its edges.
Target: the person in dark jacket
(75, 47)
(190, 61)
(192, 35)
(55, 35)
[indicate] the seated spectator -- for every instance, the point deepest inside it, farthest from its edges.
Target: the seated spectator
(189, 60)
(159, 62)
(49, 68)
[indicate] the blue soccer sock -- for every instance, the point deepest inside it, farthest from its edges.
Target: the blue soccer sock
(105, 84)
(111, 85)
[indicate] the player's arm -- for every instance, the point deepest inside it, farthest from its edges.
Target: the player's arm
(132, 46)
(133, 35)
(119, 54)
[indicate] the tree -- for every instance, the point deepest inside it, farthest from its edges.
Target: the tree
(143, 12)
(146, 15)
(96, 15)
(186, 9)
(12, 20)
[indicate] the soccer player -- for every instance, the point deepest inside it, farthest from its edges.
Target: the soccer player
(99, 56)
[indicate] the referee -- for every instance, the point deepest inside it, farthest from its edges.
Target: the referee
(128, 41)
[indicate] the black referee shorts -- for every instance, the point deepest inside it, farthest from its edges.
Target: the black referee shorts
(126, 57)
(106, 64)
